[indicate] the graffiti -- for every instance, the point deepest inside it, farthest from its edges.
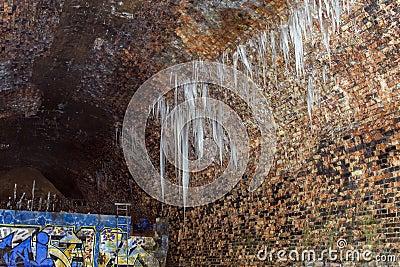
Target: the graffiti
(142, 224)
(130, 252)
(70, 240)
(71, 248)
(25, 254)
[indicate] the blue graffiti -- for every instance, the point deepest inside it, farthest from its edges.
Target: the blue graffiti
(141, 224)
(22, 255)
(41, 251)
(7, 241)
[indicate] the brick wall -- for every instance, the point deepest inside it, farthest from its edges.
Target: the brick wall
(26, 32)
(339, 180)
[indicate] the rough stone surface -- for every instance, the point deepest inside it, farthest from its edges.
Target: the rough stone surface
(64, 100)
(338, 180)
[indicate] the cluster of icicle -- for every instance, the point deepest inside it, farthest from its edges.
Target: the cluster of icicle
(42, 204)
(305, 21)
(257, 59)
(190, 129)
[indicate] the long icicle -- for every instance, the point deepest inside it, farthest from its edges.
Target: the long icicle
(284, 30)
(33, 194)
(310, 100)
(185, 166)
(297, 40)
(15, 192)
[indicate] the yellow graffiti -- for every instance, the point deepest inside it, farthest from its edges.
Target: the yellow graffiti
(62, 259)
(66, 246)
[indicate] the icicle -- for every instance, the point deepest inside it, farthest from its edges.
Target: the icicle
(308, 8)
(161, 109)
(177, 143)
(19, 203)
(247, 67)
(235, 67)
(40, 204)
(347, 4)
(220, 74)
(162, 166)
(98, 179)
(218, 132)
(15, 192)
(263, 51)
(337, 11)
(273, 50)
(320, 15)
(197, 69)
(9, 203)
(234, 153)
(171, 76)
(220, 144)
(116, 135)
(310, 99)
(297, 40)
(301, 19)
(327, 8)
(314, 6)
(241, 49)
(33, 193)
(285, 42)
(185, 164)
(54, 201)
(48, 201)
(204, 94)
(325, 35)
(176, 92)
(324, 74)
(198, 136)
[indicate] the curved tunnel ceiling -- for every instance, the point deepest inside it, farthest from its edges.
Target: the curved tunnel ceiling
(69, 69)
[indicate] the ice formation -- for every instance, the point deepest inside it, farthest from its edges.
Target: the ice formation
(33, 195)
(184, 115)
(310, 99)
(269, 47)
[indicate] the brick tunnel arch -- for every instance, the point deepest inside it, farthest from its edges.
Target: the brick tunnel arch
(336, 181)
(62, 114)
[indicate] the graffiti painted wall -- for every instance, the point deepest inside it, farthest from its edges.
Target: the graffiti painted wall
(70, 240)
